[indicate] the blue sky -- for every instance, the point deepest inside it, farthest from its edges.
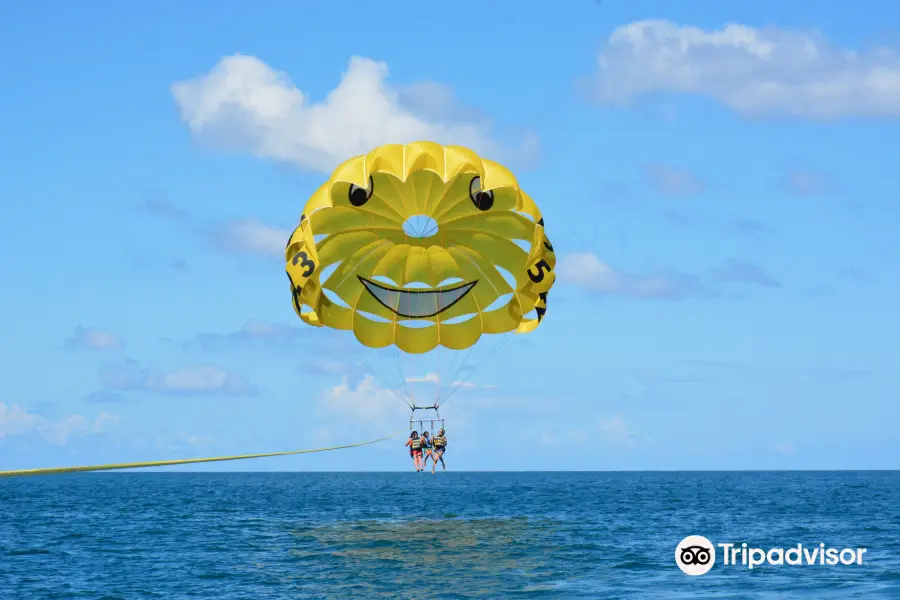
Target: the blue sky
(720, 183)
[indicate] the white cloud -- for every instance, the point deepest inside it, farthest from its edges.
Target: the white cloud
(547, 439)
(785, 448)
(366, 402)
(427, 378)
(189, 380)
(804, 182)
(325, 366)
(673, 181)
(94, 339)
(242, 236)
(244, 104)
(436, 379)
(251, 236)
(14, 420)
(615, 430)
(587, 271)
(195, 379)
(468, 384)
(181, 442)
(740, 271)
(752, 71)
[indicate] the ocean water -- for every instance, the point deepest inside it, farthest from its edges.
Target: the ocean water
(452, 535)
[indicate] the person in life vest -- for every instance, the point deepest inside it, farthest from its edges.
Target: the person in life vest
(440, 446)
(415, 450)
(426, 448)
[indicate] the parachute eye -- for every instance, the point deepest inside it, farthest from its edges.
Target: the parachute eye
(358, 195)
(482, 199)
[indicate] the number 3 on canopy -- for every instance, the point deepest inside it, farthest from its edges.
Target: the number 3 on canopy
(303, 259)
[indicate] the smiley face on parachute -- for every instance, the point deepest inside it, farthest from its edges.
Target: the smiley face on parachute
(407, 245)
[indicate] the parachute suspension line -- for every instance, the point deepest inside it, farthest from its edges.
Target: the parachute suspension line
(458, 384)
(394, 349)
(379, 375)
(487, 359)
(440, 372)
(397, 377)
(453, 373)
(399, 389)
(392, 387)
(408, 359)
(406, 388)
(453, 370)
(440, 348)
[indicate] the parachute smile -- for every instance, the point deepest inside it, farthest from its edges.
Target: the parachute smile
(416, 304)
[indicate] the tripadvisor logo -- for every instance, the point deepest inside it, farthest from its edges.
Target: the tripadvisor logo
(696, 555)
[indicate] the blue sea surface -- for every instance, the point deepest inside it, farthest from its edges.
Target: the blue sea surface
(452, 535)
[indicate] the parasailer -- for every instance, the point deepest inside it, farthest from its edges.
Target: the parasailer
(421, 248)
(415, 450)
(440, 447)
(427, 448)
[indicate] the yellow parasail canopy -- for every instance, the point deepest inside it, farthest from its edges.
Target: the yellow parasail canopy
(419, 246)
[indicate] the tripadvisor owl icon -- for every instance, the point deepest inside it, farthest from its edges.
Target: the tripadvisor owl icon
(695, 555)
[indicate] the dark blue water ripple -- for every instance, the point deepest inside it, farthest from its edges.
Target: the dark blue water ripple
(455, 535)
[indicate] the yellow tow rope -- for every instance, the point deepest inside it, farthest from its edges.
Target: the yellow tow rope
(183, 461)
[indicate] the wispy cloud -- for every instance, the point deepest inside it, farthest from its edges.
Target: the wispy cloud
(621, 197)
(17, 421)
(319, 350)
(235, 236)
(855, 275)
(105, 396)
(438, 380)
(749, 227)
(199, 380)
(839, 373)
(785, 448)
(615, 430)
(673, 181)
(741, 271)
(588, 272)
(158, 204)
(715, 364)
(656, 378)
(251, 236)
(805, 182)
(173, 264)
(93, 338)
(253, 333)
(327, 366)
